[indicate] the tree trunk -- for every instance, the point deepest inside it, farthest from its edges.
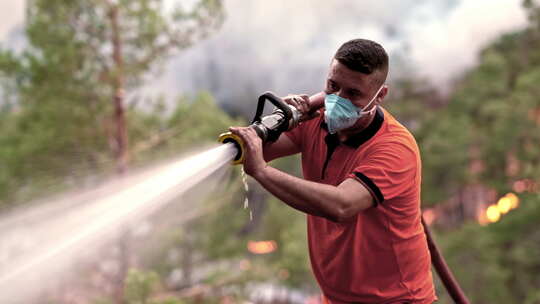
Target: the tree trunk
(120, 140)
(120, 130)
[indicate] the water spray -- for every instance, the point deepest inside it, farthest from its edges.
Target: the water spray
(284, 117)
(40, 245)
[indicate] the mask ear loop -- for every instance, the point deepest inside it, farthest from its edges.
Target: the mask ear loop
(370, 112)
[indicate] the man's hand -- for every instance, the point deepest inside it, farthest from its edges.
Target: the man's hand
(304, 105)
(253, 155)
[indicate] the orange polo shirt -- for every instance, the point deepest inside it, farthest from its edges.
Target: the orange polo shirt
(381, 255)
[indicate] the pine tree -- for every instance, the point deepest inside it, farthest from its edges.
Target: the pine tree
(67, 91)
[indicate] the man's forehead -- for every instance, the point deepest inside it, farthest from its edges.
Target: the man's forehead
(338, 72)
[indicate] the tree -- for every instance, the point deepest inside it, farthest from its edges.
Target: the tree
(487, 136)
(70, 82)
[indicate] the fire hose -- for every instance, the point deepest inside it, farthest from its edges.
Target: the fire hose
(444, 272)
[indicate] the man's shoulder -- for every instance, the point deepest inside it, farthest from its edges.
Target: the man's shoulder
(394, 132)
(312, 125)
(305, 131)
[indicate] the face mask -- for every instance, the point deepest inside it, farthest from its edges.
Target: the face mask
(340, 113)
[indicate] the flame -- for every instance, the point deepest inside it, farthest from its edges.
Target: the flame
(262, 247)
(504, 205)
(493, 214)
(482, 218)
(513, 199)
(429, 216)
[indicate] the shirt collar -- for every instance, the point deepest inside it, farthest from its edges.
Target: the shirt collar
(361, 137)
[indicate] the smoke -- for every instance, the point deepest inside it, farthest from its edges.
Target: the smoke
(286, 46)
(445, 47)
(11, 16)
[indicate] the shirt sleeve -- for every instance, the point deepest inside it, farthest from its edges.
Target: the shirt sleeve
(295, 135)
(298, 134)
(388, 171)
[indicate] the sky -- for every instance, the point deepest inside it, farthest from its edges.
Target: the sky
(286, 46)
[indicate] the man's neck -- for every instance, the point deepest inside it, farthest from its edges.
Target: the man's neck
(358, 127)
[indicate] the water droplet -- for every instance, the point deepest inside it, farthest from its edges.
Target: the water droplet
(246, 187)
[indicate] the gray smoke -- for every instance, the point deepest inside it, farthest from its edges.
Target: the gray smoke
(11, 16)
(286, 46)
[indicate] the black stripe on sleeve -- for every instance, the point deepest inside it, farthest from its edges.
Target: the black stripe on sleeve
(375, 191)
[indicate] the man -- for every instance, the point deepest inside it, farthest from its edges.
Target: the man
(361, 189)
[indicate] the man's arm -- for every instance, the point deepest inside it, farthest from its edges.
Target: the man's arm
(282, 147)
(336, 203)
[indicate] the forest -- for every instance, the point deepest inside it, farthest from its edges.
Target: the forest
(69, 118)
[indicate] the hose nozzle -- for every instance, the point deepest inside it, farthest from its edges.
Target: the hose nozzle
(284, 117)
(238, 143)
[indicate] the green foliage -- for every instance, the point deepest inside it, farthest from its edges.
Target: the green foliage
(200, 120)
(488, 135)
(445, 157)
(291, 262)
(56, 114)
(221, 237)
(169, 301)
(139, 286)
(491, 120)
(498, 263)
(55, 120)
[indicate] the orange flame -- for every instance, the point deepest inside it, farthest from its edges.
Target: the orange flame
(262, 247)
(513, 200)
(493, 214)
(429, 216)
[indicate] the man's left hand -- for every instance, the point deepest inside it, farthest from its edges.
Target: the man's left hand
(253, 155)
(304, 105)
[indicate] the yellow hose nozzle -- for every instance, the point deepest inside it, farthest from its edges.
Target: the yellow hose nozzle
(268, 128)
(228, 137)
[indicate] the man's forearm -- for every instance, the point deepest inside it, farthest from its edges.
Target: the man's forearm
(307, 196)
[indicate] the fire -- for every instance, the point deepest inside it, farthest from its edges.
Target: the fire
(504, 205)
(429, 216)
(482, 219)
(262, 247)
(513, 199)
(493, 214)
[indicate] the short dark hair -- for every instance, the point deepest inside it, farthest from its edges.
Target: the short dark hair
(363, 56)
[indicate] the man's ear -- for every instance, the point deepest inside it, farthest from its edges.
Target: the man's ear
(382, 94)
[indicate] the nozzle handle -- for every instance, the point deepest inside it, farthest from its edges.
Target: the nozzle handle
(276, 101)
